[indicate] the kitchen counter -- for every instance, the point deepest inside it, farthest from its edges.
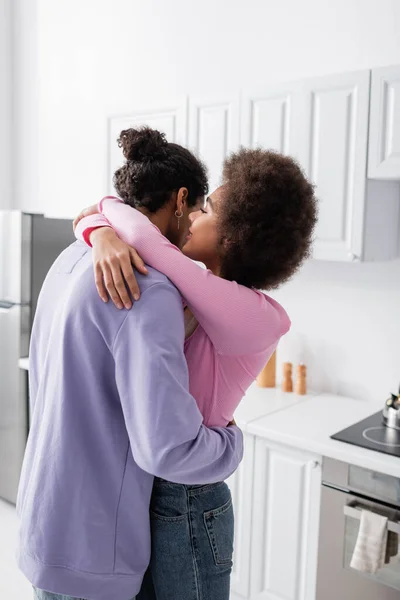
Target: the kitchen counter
(260, 402)
(307, 422)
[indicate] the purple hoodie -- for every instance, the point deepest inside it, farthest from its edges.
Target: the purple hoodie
(110, 409)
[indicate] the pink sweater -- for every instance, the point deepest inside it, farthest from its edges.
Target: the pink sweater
(239, 328)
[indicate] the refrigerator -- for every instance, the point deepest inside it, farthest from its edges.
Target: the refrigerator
(29, 244)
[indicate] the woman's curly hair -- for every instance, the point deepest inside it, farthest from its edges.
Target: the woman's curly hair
(266, 218)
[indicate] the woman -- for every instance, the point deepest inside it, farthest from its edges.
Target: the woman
(253, 232)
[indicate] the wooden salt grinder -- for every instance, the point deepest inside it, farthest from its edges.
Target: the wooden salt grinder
(301, 384)
(267, 377)
(287, 383)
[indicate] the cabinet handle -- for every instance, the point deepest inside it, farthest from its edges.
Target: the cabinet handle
(314, 464)
(353, 257)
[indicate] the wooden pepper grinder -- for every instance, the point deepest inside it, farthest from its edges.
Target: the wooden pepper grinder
(267, 377)
(287, 383)
(301, 385)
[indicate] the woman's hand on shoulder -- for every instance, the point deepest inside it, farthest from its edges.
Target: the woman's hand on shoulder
(86, 212)
(114, 263)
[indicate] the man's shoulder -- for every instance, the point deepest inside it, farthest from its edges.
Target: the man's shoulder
(70, 293)
(79, 255)
(158, 313)
(155, 288)
(153, 277)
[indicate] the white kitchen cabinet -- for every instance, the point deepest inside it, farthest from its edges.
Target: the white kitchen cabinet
(285, 522)
(323, 123)
(384, 133)
(170, 119)
(270, 119)
(358, 218)
(336, 132)
(214, 131)
(241, 484)
(276, 496)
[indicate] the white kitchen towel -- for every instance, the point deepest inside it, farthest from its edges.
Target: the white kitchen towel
(370, 549)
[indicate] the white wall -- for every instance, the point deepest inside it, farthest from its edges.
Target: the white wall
(345, 327)
(97, 58)
(25, 69)
(5, 104)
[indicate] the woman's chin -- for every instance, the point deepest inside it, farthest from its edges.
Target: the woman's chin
(189, 251)
(186, 249)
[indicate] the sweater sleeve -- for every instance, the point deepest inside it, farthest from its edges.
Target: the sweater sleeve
(238, 320)
(163, 421)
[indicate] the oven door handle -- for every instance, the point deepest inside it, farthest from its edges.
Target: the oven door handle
(343, 490)
(354, 512)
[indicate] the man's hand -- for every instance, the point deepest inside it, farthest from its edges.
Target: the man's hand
(113, 260)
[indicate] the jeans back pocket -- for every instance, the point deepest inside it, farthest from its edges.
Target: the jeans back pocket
(219, 525)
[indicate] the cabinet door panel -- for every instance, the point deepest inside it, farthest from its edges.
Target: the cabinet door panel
(337, 124)
(271, 117)
(384, 135)
(214, 131)
(241, 484)
(266, 121)
(171, 120)
(285, 513)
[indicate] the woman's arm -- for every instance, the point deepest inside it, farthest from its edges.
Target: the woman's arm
(113, 272)
(238, 320)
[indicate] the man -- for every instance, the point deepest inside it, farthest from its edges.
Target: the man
(111, 409)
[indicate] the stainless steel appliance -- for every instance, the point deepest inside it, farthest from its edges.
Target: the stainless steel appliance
(29, 245)
(346, 490)
(374, 433)
(391, 412)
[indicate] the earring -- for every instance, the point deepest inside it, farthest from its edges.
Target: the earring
(179, 216)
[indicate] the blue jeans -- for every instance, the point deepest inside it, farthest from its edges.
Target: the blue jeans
(192, 543)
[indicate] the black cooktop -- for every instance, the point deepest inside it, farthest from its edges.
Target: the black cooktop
(371, 433)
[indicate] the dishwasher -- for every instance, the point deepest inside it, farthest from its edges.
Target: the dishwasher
(346, 490)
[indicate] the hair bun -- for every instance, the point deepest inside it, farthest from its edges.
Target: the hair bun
(143, 144)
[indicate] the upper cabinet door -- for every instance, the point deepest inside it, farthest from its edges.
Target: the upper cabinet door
(337, 130)
(271, 119)
(214, 131)
(384, 133)
(170, 119)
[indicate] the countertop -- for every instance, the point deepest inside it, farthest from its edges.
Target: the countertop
(307, 422)
(260, 402)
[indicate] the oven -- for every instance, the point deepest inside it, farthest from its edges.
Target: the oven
(346, 490)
